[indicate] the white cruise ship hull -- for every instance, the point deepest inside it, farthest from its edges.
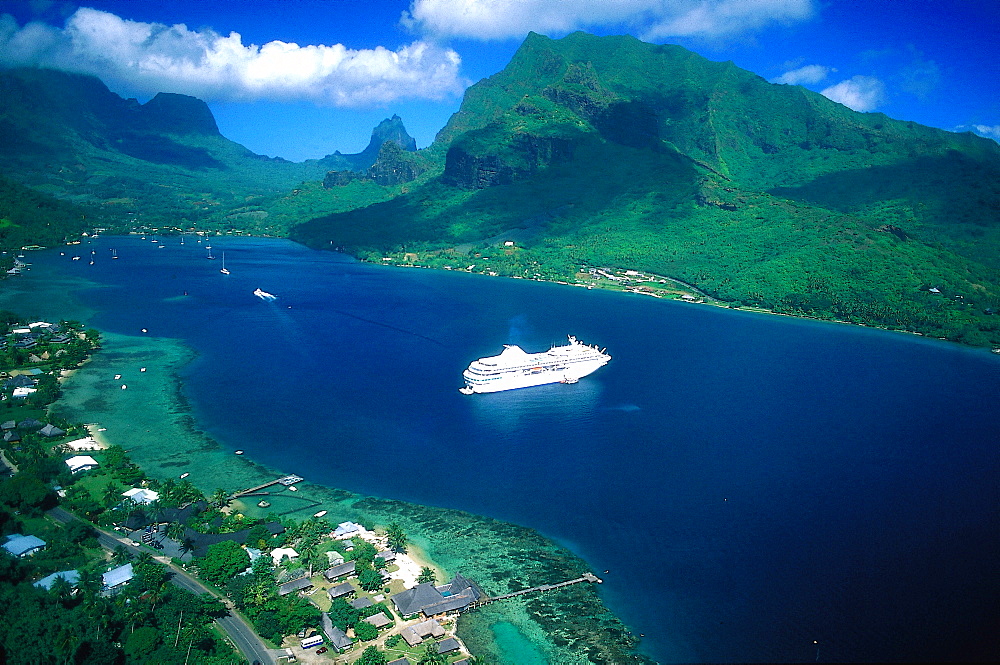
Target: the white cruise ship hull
(515, 369)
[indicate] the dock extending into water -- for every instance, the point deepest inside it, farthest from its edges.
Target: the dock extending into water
(287, 481)
(486, 600)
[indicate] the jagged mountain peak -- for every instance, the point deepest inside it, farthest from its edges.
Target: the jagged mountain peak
(179, 114)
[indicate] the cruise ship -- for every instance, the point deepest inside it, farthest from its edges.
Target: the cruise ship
(515, 368)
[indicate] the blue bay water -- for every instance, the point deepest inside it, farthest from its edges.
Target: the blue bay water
(758, 488)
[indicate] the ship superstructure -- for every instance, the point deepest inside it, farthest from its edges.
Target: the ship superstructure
(515, 368)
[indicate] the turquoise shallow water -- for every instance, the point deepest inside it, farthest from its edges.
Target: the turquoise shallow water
(751, 483)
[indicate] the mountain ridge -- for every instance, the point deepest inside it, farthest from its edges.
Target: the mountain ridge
(162, 163)
(648, 157)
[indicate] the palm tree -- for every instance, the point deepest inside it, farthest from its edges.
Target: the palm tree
(309, 551)
(175, 531)
(112, 494)
(220, 498)
(396, 537)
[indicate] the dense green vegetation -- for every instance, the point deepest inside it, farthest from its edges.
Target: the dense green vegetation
(610, 152)
(149, 620)
(584, 152)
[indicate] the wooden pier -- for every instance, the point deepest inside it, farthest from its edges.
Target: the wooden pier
(284, 480)
(486, 600)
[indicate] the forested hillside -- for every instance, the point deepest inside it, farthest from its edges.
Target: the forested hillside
(160, 164)
(607, 151)
(584, 152)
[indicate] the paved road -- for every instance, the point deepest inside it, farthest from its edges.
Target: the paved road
(238, 630)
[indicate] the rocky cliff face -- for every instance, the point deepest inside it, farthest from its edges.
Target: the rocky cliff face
(178, 114)
(524, 155)
(391, 130)
(392, 167)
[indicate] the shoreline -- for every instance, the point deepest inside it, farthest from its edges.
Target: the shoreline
(152, 420)
(698, 298)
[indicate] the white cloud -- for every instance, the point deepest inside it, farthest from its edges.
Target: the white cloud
(991, 132)
(861, 93)
(808, 75)
(651, 19)
(145, 58)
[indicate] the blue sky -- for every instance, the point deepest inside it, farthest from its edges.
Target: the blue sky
(302, 78)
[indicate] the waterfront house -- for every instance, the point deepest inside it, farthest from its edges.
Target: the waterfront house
(343, 570)
(22, 546)
(433, 600)
(388, 556)
(78, 445)
(81, 463)
(51, 431)
(340, 591)
(8, 425)
(448, 645)
(11, 437)
(21, 393)
(20, 381)
(30, 423)
(141, 496)
(346, 530)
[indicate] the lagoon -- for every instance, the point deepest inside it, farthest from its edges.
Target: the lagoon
(759, 488)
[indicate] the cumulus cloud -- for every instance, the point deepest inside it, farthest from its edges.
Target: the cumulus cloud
(807, 75)
(145, 58)
(989, 131)
(651, 19)
(861, 93)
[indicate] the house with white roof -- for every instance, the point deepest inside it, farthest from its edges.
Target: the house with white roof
(347, 530)
(279, 553)
(86, 443)
(81, 463)
(141, 496)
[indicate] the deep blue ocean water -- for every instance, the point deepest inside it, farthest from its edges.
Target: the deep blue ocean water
(759, 488)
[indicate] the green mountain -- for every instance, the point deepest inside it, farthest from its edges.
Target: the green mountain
(162, 163)
(610, 152)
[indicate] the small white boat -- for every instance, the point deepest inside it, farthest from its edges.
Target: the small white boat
(224, 271)
(264, 295)
(293, 488)
(142, 369)
(320, 513)
(239, 452)
(124, 386)
(185, 475)
(117, 376)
